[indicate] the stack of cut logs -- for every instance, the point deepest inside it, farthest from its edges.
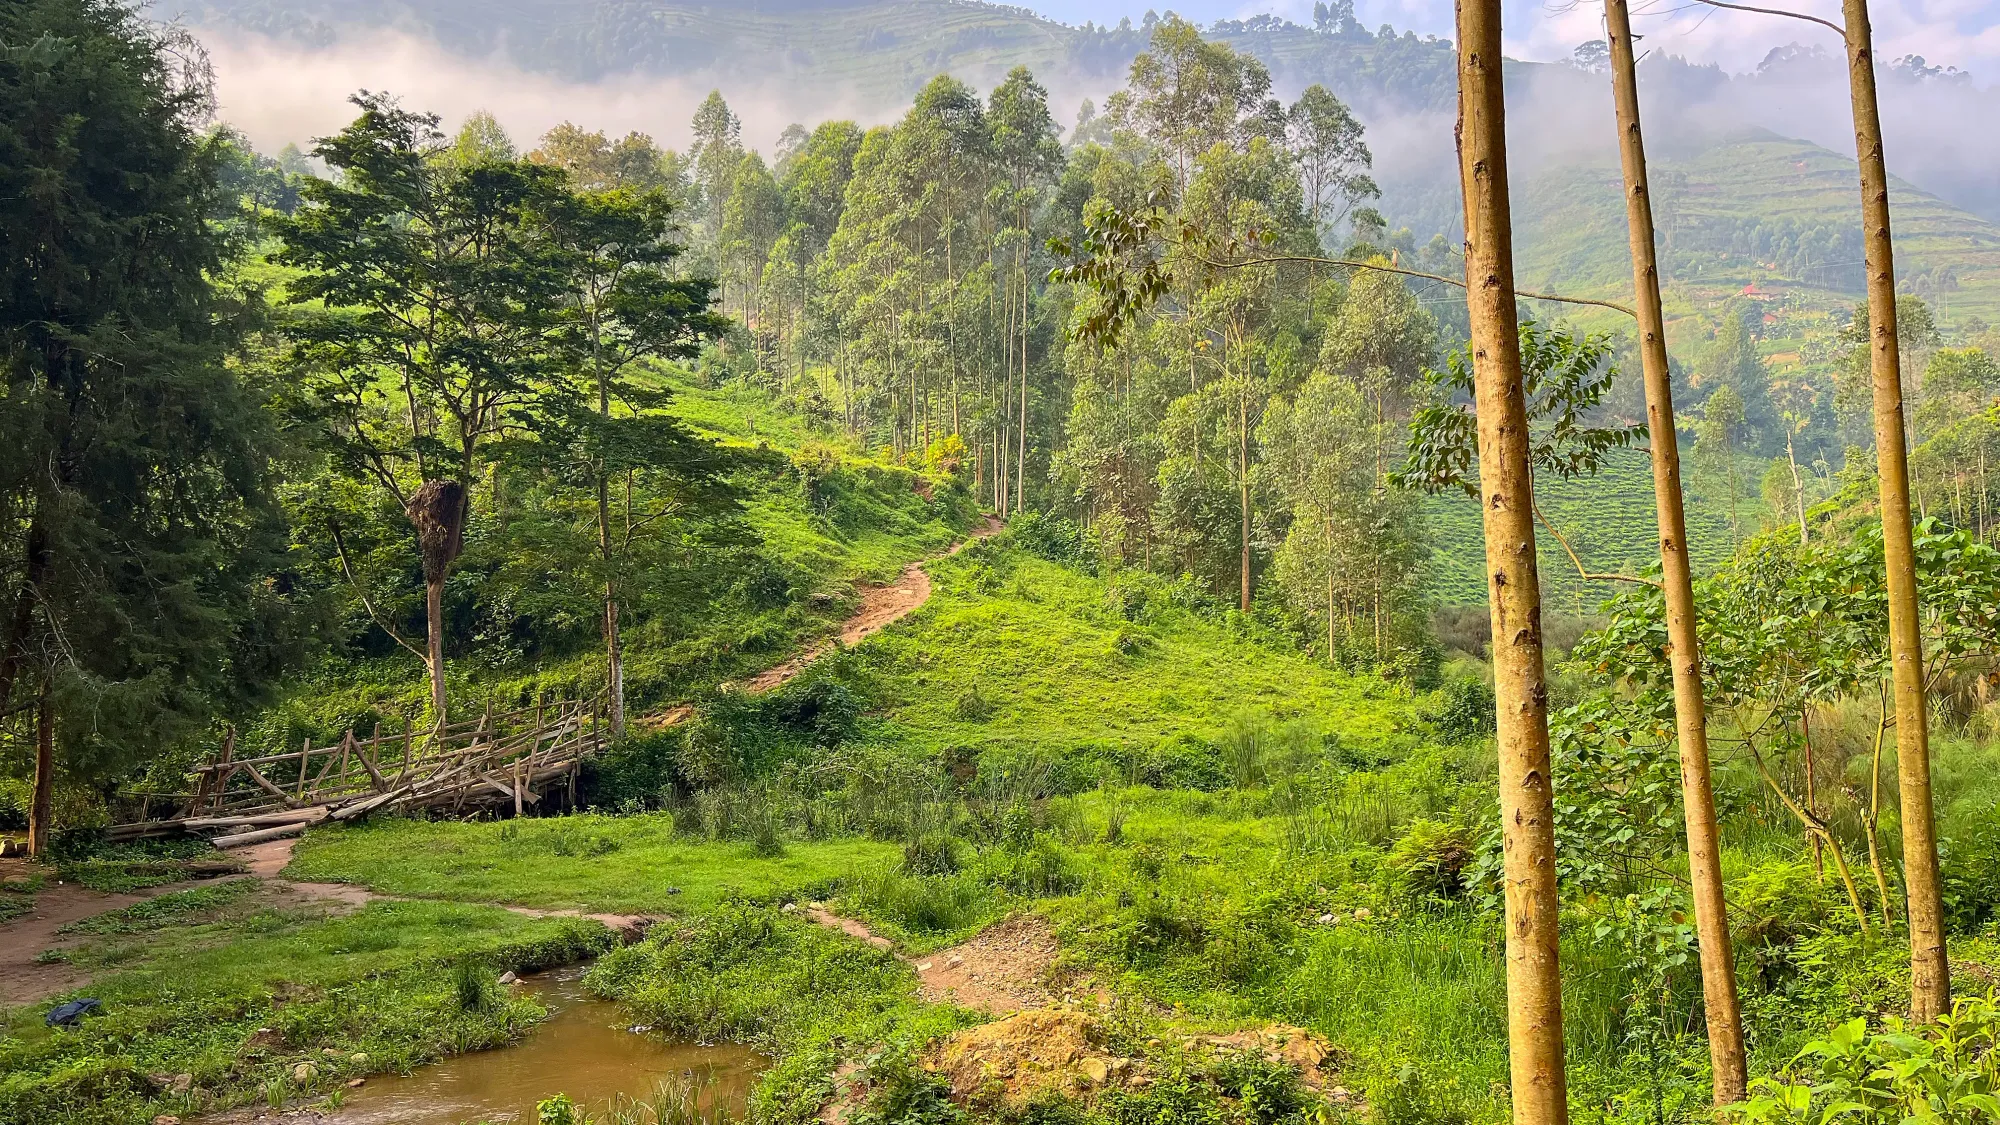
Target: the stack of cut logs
(510, 760)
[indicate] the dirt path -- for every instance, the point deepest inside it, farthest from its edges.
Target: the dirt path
(1003, 969)
(881, 607)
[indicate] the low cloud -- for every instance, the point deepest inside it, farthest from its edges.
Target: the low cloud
(277, 92)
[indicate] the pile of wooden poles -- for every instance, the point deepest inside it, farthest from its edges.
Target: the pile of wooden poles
(510, 760)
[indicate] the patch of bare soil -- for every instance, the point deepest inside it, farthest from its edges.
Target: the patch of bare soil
(1004, 968)
(1001, 970)
(1011, 1062)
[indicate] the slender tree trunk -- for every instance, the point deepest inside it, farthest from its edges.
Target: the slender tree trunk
(1021, 434)
(1329, 592)
(434, 642)
(1534, 978)
(1812, 790)
(42, 802)
(1798, 489)
(1243, 481)
(1930, 970)
(1723, 1012)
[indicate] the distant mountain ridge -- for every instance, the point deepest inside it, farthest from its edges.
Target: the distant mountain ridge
(1741, 200)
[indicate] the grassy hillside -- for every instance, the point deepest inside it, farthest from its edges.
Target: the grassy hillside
(1571, 232)
(1024, 657)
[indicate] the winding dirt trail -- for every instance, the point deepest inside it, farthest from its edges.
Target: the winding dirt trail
(881, 607)
(986, 983)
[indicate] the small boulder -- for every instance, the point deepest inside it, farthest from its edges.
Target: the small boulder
(356, 1083)
(304, 1073)
(358, 1058)
(509, 977)
(166, 1119)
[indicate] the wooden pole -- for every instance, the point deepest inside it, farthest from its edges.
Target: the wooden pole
(1718, 957)
(1534, 980)
(305, 748)
(1930, 970)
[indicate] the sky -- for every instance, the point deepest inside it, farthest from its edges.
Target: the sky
(1962, 33)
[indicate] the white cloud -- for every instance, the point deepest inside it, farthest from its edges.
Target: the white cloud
(278, 92)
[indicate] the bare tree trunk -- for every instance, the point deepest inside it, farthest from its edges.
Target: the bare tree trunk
(1534, 977)
(1798, 489)
(1243, 481)
(434, 643)
(42, 803)
(1021, 435)
(1723, 1012)
(1930, 970)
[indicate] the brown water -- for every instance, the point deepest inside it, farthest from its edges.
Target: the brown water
(585, 1049)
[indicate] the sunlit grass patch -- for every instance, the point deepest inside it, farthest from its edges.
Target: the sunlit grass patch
(632, 864)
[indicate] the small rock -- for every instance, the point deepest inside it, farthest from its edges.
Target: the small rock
(166, 1119)
(673, 890)
(954, 961)
(1339, 1093)
(508, 977)
(304, 1073)
(924, 968)
(640, 1028)
(181, 1084)
(1328, 919)
(1097, 1069)
(789, 908)
(358, 1058)
(356, 1082)
(329, 1052)
(1363, 914)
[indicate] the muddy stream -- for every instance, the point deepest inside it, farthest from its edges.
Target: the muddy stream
(585, 1049)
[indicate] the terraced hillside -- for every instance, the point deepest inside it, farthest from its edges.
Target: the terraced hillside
(1762, 211)
(1608, 520)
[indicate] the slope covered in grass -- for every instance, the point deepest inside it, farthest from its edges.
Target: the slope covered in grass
(1022, 656)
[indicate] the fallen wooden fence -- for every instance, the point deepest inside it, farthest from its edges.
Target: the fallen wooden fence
(509, 760)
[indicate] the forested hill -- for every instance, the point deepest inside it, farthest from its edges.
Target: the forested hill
(1744, 204)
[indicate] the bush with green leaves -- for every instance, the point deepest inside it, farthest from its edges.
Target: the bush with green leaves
(1946, 1073)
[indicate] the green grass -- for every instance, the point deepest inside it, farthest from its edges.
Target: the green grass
(1024, 657)
(633, 864)
(221, 985)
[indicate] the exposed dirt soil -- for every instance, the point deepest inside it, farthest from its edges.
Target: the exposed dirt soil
(1011, 1062)
(22, 978)
(1004, 968)
(881, 606)
(1001, 970)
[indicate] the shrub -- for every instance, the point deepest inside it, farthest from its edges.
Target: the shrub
(1184, 762)
(1430, 859)
(931, 853)
(1947, 1073)
(475, 987)
(1461, 710)
(972, 707)
(1053, 538)
(1968, 867)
